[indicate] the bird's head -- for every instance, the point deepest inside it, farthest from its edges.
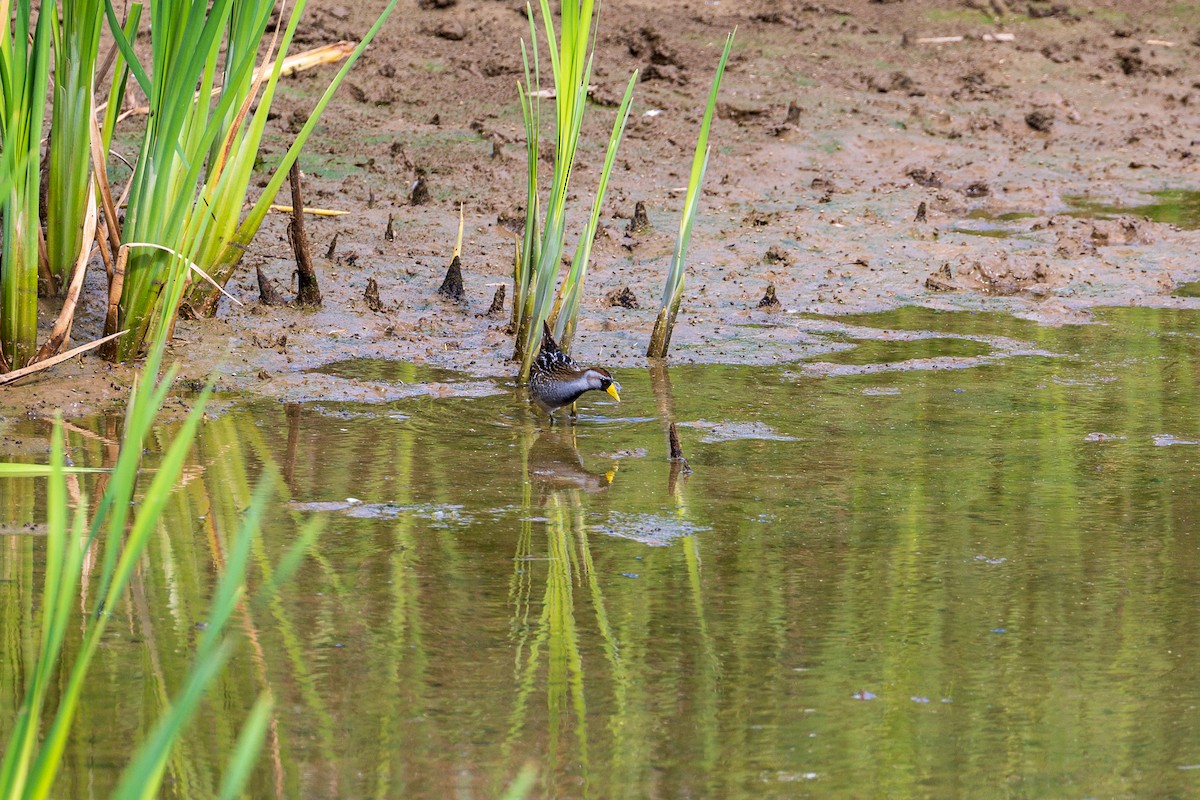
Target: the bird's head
(599, 378)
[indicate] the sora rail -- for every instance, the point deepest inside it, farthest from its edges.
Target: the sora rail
(556, 380)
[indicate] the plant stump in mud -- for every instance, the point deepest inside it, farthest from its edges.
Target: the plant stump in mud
(640, 221)
(664, 324)
(371, 297)
(452, 284)
(419, 194)
(268, 292)
(623, 298)
(769, 301)
(308, 293)
(497, 306)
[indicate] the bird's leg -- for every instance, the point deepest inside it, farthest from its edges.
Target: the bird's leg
(574, 412)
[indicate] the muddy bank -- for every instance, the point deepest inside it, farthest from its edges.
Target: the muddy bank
(855, 167)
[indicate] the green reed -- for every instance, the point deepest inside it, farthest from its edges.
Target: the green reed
(120, 78)
(76, 44)
(184, 218)
(664, 323)
(24, 76)
(536, 272)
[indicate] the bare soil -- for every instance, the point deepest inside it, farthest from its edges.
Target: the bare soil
(836, 124)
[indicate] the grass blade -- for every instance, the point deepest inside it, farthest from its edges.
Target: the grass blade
(660, 338)
(246, 749)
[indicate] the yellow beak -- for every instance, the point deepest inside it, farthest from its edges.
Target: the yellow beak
(612, 389)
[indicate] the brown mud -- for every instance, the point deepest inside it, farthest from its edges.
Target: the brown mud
(837, 123)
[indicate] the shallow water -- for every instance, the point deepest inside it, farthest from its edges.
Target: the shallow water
(1180, 207)
(978, 581)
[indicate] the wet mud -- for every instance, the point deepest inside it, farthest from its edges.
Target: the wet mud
(860, 151)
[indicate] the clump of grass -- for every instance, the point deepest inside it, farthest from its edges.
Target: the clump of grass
(76, 44)
(192, 176)
(540, 258)
(664, 323)
(24, 76)
(208, 108)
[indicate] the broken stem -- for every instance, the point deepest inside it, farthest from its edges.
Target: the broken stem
(309, 294)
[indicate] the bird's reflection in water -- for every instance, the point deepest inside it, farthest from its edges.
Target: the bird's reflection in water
(556, 465)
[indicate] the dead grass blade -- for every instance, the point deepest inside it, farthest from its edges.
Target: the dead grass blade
(23, 372)
(316, 212)
(458, 244)
(100, 175)
(62, 325)
(115, 285)
(190, 264)
(298, 62)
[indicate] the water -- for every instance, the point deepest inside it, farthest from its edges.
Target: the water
(1178, 207)
(913, 583)
(980, 222)
(1189, 289)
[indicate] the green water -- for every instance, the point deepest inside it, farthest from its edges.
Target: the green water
(874, 351)
(901, 584)
(1180, 207)
(1189, 289)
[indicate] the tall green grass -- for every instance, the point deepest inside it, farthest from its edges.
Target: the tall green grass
(211, 76)
(664, 323)
(120, 78)
(38, 739)
(76, 44)
(193, 173)
(536, 273)
(222, 248)
(24, 75)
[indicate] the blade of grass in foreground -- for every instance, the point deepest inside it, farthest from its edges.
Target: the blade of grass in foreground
(660, 339)
(144, 774)
(60, 584)
(30, 763)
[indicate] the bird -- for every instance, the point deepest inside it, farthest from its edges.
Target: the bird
(556, 380)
